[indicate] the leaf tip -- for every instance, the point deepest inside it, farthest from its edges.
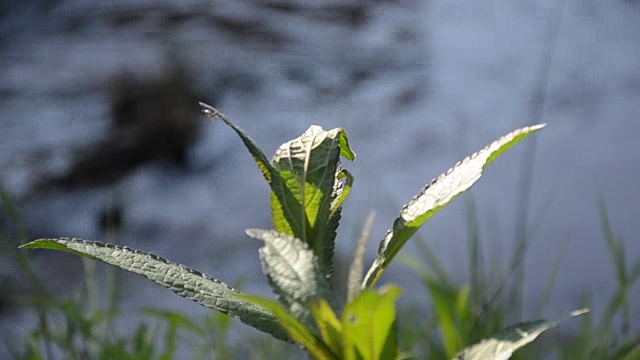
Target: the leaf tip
(209, 110)
(254, 233)
(580, 312)
(31, 244)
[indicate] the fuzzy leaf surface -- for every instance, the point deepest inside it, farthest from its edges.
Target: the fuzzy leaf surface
(303, 176)
(440, 192)
(305, 199)
(293, 272)
(186, 282)
(502, 345)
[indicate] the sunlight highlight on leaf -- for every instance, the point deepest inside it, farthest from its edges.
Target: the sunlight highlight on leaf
(440, 192)
(293, 272)
(186, 282)
(502, 345)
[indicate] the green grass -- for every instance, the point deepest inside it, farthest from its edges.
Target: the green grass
(80, 326)
(464, 313)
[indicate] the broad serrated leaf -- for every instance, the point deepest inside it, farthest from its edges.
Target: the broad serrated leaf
(256, 152)
(304, 201)
(293, 272)
(502, 345)
(440, 192)
(369, 325)
(186, 282)
(303, 176)
(296, 329)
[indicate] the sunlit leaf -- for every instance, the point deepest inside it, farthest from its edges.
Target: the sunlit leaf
(440, 192)
(342, 189)
(501, 346)
(369, 325)
(303, 203)
(296, 329)
(186, 282)
(304, 175)
(293, 272)
(328, 324)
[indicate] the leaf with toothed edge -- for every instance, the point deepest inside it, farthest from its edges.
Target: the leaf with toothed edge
(293, 272)
(325, 249)
(440, 192)
(501, 346)
(313, 188)
(186, 282)
(304, 175)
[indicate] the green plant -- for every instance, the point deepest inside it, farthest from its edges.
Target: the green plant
(487, 304)
(76, 325)
(84, 322)
(609, 337)
(308, 188)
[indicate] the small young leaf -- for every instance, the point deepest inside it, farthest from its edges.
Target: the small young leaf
(296, 330)
(325, 248)
(328, 324)
(440, 192)
(345, 149)
(444, 298)
(186, 282)
(369, 325)
(342, 189)
(293, 272)
(502, 345)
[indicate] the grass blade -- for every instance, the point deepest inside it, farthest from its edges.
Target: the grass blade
(356, 268)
